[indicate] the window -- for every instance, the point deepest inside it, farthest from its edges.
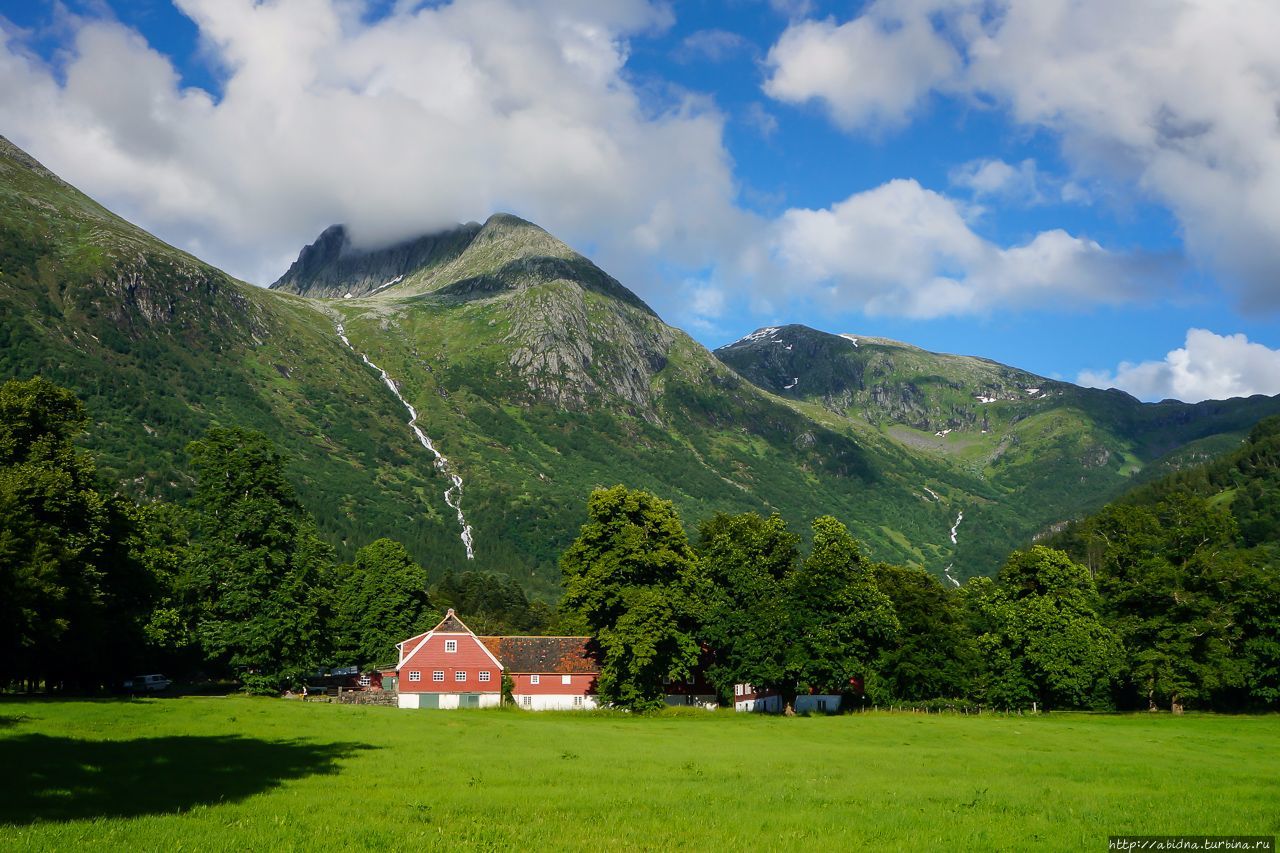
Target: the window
(450, 645)
(533, 679)
(484, 675)
(460, 675)
(438, 675)
(577, 701)
(691, 680)
(566, 679)
(365, 681)
(414, 675)
(737, 690)
(526, 701)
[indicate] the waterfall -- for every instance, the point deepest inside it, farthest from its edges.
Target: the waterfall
(453, 494)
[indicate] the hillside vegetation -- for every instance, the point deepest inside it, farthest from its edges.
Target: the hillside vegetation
(1046, 451)
(538, 377)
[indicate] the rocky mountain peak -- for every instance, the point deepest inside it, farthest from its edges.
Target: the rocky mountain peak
(334, 267)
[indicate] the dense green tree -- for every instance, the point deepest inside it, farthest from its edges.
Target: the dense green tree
(491, 603)
(72, 596)
(256, 578)
(379, 599)
(746, 561)
(633, 577)
(1040, 634)
(934, 654)
(838, 620)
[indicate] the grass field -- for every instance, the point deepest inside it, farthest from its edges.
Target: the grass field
(238, 773)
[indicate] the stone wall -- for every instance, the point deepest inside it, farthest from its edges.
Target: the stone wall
(368, 697)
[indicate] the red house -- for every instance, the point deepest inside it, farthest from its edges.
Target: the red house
(549, 673)
(450, 667)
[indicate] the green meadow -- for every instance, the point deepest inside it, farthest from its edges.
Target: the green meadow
(240, 773)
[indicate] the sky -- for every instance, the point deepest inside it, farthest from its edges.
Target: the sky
(1087, 189)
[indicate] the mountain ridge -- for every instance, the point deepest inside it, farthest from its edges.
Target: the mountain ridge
(539, 376)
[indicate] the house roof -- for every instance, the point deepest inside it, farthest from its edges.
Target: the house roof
(562, 655)
(450, 624)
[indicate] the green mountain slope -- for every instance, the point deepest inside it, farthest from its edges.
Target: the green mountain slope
(1049, 450)
(161, 346)
(540, 377)
(536, 376)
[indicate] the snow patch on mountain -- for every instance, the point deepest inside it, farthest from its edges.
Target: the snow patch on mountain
(385, 286)
(758, 335)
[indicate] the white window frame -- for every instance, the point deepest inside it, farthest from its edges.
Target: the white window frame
(526, 701)
(415, 675)
(459, 675)
(484, 675)
(366, 681)
(577, 701)
(437, 676)
(737, 690)
(450, 646)
(533, 679)
(566, 679)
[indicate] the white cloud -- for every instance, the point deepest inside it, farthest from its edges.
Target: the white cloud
(712, 45)
(1179, 100)
(998, 179)
(449, 112)
(905, 250)
(764, 122)
(416, 121)
(872, 70)
(1208, 367)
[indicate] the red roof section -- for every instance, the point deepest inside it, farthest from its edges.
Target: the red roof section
(561, 655)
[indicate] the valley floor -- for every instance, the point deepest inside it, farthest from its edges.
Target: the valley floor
(238, 773)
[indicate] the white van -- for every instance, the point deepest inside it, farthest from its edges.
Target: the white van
(147, 683)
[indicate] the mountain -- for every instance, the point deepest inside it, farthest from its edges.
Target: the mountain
(161, 345)
(1244, 482)
(483, 379)
(1051, 448)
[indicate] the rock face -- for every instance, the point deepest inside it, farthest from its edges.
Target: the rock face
(333, 267)
(574, 334)
(879, 380)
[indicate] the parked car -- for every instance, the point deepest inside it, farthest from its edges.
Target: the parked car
(147, 683)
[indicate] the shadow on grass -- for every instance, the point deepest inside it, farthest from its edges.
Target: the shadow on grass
(8, 722)
(58, 778)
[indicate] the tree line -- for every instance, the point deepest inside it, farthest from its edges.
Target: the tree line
(234, 584)
(1168, 600)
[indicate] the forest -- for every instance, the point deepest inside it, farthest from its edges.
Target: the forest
(1169, 598)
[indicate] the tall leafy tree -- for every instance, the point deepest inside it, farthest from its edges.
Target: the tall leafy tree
(257, 574)
(633, 577)
(72, 597)
(838, 620)
(1041, 636)
(379, 599)
(934, 655)
(1167, 592)
(746, 560)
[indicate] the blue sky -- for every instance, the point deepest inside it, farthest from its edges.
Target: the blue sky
(1069, 188)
